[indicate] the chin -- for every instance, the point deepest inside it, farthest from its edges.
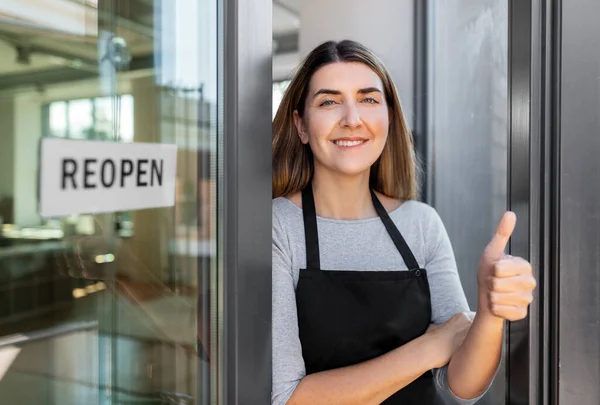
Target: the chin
(349, 167)
(350, 171)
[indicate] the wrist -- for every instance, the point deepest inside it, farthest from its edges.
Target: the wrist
(485, 315)
(483, 305)
(488, 320)
(433, 349)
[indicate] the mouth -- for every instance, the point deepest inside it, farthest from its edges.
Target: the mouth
(349, 143)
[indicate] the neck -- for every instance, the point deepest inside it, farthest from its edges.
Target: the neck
(342, 197)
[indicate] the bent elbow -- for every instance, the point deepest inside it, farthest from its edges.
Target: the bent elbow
(283, 394)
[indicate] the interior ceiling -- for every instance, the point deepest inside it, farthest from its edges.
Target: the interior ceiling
(30, 47)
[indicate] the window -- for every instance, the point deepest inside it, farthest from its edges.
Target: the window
(90, 119)
(279, 89)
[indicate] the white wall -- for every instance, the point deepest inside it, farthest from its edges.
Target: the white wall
(27, 135)
(385, 26)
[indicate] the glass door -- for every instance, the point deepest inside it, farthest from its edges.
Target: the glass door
(112, 301)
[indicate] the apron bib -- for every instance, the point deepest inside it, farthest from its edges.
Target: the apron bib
(347, 317)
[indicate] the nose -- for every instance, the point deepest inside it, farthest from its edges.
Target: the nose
(351, 118)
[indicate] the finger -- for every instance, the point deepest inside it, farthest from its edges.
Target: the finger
(510, 313)
(517, 299)
(506, 226)
(512, 266)
(512, 284)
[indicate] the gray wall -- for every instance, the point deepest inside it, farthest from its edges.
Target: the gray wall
(468, 125)
(467, 131)
(579, 235)
(385, 26)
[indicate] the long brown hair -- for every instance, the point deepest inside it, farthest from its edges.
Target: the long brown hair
(393, 174)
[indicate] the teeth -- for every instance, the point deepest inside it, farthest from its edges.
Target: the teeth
(348, 143)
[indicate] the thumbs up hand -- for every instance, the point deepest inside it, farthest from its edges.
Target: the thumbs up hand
(506, 283)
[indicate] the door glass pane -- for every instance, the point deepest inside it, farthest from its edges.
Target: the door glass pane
(466, 99)
(468, 133)
(115, 307)
(103, 117)
(80, 119)
(58, 119)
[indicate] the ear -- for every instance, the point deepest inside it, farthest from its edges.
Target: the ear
(299, 122)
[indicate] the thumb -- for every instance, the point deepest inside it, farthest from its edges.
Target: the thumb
(506, 226)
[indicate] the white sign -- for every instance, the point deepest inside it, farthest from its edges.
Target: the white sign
(89, 177)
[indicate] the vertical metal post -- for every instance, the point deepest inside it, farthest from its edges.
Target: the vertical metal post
(246, 97)
(519, 187)
(420, 94)
(534, 193)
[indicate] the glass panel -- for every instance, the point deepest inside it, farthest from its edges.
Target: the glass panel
(58, 119)
(126, 118)
(80, 119)
(468, 149)
(103, 117)
(466, 102)
(118, 307)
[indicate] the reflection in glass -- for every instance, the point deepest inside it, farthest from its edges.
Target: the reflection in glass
(58, 119)
(80, 119)
(103, 117)
(126, 118)
(121, 307)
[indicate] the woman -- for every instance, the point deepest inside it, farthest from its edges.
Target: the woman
(366, 295)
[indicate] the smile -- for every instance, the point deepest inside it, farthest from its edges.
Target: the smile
(349, 144)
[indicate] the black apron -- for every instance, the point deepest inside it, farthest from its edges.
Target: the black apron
(347, 317)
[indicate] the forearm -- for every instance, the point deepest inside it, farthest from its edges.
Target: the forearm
(370, 382)
(475, 363)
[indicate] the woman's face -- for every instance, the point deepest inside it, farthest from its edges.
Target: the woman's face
(346, 118)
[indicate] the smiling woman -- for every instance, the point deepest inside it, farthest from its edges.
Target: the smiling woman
(368, 307)
(350, 119)
(354, 95)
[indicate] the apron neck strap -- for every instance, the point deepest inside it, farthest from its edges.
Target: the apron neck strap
(397, 238)
(311, 234)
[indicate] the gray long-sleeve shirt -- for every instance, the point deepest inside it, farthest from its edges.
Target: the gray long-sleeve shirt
(356, 245)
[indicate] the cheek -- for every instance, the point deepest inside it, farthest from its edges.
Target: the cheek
(378, 121)
(321, 124)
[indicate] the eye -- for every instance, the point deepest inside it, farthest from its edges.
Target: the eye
(327, 103)
(370, 100)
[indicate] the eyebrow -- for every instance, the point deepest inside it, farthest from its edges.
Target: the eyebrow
(366, 90)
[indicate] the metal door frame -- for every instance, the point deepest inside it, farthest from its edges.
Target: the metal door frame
(245, 100)
(533, 184)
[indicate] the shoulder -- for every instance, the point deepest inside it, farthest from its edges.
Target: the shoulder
(284, 207)
(418, 210)
(285, 213)
(417, 216)
(288, 226)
